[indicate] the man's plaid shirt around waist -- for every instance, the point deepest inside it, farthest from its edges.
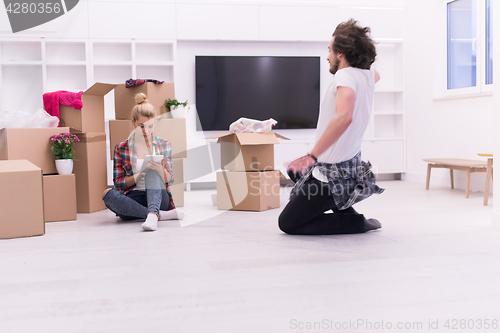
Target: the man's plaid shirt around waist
(350, 181)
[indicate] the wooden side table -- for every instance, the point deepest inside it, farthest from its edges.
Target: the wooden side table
(468, 166)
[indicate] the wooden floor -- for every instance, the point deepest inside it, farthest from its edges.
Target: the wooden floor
(436, 258)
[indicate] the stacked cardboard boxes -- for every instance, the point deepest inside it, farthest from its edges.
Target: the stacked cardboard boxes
(33, 145)
(248, 180)
(169, 129)
(90, 153)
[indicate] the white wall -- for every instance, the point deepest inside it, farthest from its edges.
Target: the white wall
(496, 114)
(458, 128)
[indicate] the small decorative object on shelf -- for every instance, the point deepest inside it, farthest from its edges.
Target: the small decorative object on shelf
(62, 147)
(177, 109)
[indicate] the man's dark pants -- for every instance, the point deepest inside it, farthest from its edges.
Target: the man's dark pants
(305, 212)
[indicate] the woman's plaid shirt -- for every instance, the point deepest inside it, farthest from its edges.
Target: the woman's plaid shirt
(125, 163)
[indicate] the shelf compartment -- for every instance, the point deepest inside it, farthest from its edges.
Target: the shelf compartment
(385, 156)
(22, 88)
(389, 63)
(154, 53)
(112, 52)
(163, 73)
(69, 78)
(65, 52)
(388, 126)
(21, 51)
(388, 102)
(114, 74)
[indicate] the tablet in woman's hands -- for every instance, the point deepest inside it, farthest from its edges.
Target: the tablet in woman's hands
(150, 158)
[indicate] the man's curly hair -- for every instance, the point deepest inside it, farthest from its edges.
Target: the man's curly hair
(355, 43)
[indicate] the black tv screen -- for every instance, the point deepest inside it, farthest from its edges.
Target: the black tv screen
(258, 87)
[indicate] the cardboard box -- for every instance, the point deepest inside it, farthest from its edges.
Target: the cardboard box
(90, 171)
(177, 188)
(30, 144)
(170, 129)
(177, 191)
(254, 191)
(174, 131)
(21, 199)
(119, 130)
(247, 151)
(90, 118)
(156, 95)
(59, 198)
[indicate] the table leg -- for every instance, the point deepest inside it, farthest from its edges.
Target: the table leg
(467, 183)
(489, 174)
(451, 179)
(429, 167)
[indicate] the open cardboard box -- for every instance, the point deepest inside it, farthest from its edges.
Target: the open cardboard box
(21, 199)
(247, 151)
(32, 144)
(253, 191)
(90, 118)
(155, 93)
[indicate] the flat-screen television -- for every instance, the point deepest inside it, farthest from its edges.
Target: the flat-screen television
(258, 87)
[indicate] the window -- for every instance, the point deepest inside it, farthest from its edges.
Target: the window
(469, 45)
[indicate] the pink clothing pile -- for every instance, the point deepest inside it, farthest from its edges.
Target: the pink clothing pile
(52, 100)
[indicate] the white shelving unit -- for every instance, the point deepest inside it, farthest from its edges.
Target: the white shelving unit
(385, 140)
(31, 67)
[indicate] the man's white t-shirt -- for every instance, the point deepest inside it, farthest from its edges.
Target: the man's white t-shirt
(362, 81)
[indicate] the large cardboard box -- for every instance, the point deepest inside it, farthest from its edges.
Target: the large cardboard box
(170, 129)
(177, 191)
(247, 151)
(59, 198)
(156, 94)
(254, 191)
(177, 188)
(90, 171)
(90, 118)
(119, 130)
(31, 144)
(21, 199)
(174, 131)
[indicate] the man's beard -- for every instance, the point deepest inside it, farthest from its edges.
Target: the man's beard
(335, 66)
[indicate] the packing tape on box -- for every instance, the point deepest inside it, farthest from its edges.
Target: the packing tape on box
(91, 137)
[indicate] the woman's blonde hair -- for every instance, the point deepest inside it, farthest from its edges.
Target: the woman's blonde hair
(143, 108)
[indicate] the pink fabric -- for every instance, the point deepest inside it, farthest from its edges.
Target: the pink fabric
(52, 100)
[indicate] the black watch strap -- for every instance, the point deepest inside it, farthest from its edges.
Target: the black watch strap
(313, 157)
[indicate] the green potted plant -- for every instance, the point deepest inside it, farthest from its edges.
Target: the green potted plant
(62, 147)
(177, 109)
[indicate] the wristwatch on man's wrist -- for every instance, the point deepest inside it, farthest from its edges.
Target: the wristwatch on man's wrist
(313, 157)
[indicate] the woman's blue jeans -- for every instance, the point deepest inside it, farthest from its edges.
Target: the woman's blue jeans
(138, 204)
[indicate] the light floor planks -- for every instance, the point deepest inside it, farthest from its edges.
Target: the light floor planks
(435, 258)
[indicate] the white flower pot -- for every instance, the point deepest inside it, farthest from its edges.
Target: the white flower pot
(178, 111)
(64, 167)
